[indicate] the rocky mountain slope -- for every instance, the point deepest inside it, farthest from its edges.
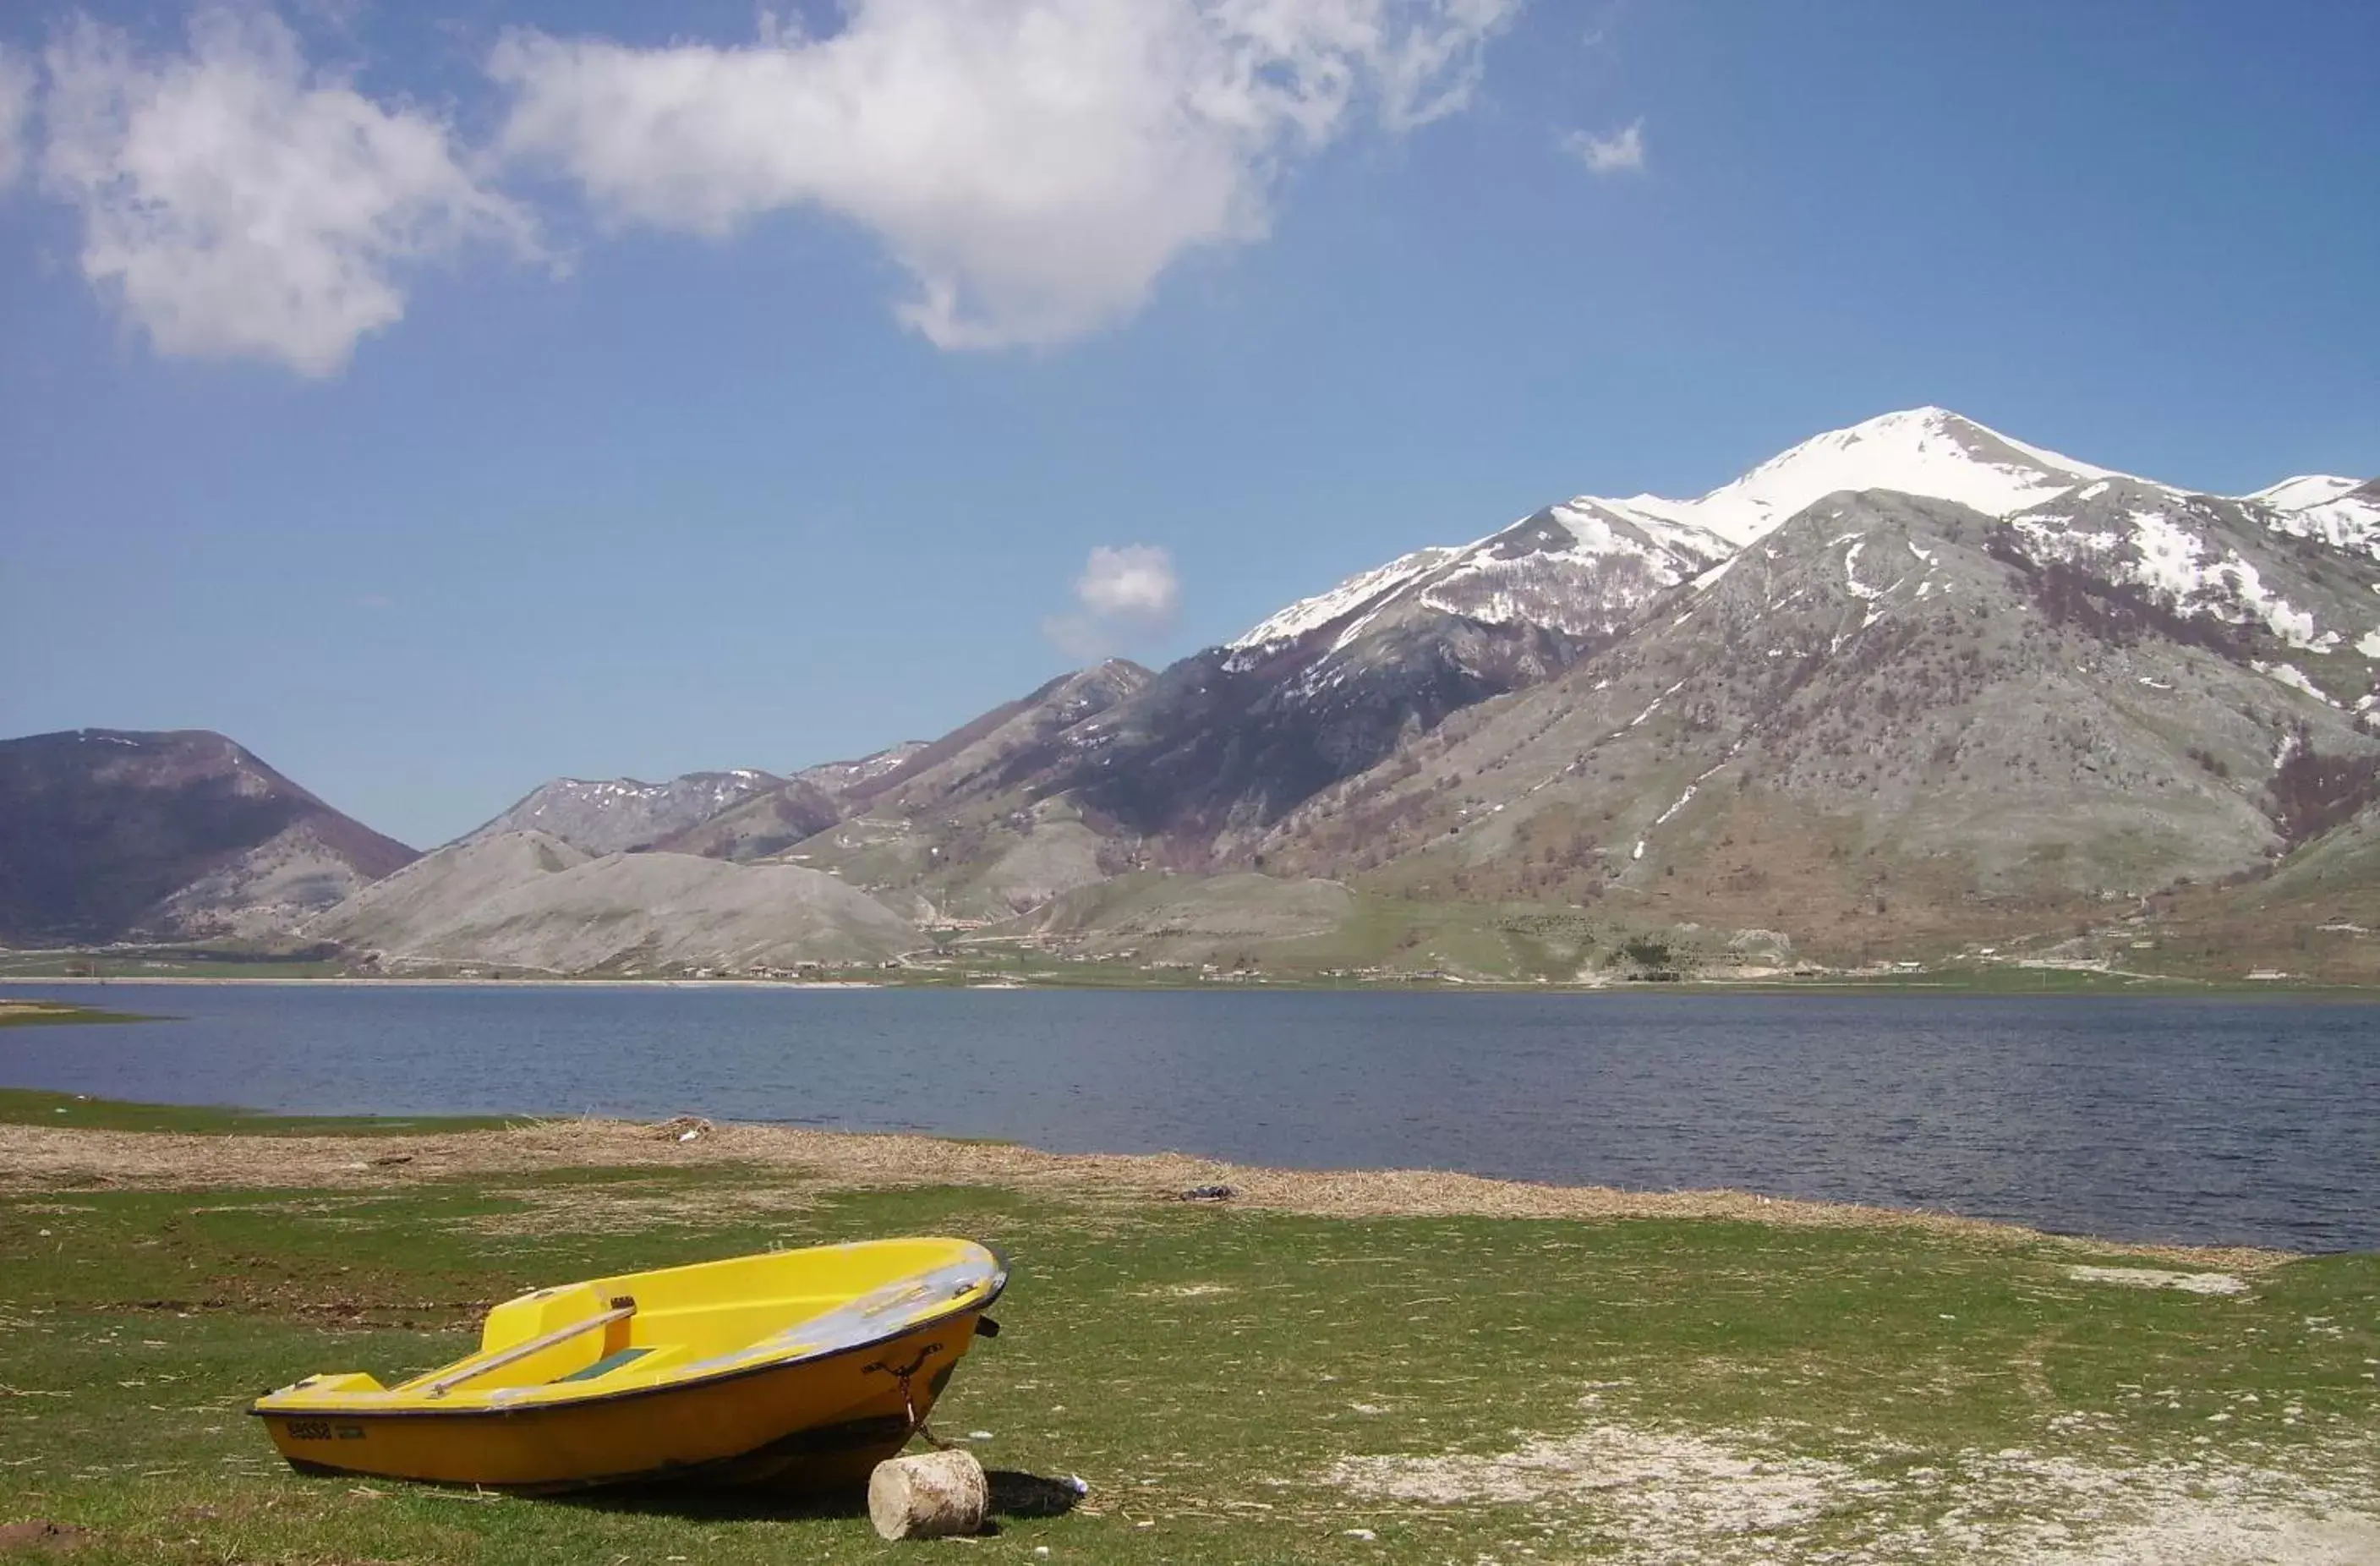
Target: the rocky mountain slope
(614, 814)
(760, 825)
(723, 891)
(835, 779)
(799, 807)
(107, 833)
(961, 831)
(1912, 685)
(2342, 513)
(1202, 763)
(1199, 766)
(528, 899)
(1892, 712)
(1187, 920)
(742, 814)
(1907, 680)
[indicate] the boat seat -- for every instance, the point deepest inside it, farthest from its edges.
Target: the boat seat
(603, 1367)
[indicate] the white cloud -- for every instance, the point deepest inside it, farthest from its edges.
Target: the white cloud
(1623, 154)
(1033, 165)
(1135, 582)
(1123, 596)
(238, 204)
(16, 109)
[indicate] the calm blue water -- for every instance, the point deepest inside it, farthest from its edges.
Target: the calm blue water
(2205, 1122)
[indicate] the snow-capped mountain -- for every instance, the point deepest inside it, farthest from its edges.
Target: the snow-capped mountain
(1579, 567)
(1921, 451)
(2305, 490)
(1353, 594)
(1913, 669)
(1201, 762)
(1228, 741)
(1926, 451)
(610, 815)
(835, 779)
(1893, 713)
(2213, 565)
(1913, 681)
(2342, 513)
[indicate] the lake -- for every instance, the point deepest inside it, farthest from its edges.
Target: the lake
(2207, 1122)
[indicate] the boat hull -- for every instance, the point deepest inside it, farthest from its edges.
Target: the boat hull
(808, 1365)
(813, 1423)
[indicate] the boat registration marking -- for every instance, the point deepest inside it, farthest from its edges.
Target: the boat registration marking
(323, 1430)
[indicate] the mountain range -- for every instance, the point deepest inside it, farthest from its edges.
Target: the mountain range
(1911, 689)
(107, 835)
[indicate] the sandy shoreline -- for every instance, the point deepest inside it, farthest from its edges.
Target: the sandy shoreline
(344, 981)
(45, 1157)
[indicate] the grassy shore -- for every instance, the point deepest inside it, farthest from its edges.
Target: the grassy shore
(1386, 944)
(53, 1013)
(1405, 1368)
(33, 1106)
(1003, 972)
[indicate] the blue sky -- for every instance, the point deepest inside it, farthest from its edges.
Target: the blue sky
(640, 399)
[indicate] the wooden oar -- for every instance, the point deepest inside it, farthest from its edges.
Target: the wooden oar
(622, 1308)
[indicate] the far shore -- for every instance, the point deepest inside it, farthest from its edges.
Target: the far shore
(1959, 982)
(556, 981)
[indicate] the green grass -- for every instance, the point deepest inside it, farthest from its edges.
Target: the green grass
(63, 1016)
(27, 1106)
(2010, 978)
(1201, 1367)
(177, 965)
(1385, 942)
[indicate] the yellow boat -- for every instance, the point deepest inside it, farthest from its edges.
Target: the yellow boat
(809, 1366)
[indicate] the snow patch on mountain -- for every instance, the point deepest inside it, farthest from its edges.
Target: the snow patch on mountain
(2342, 513)
(1925, 451)
(2305, 490)
(1313, 614)
(1661, 543)
(1711, 577)
(835, 778)
(1586, 514)
(1576, 568)
(2295, 678)
(607, 815)
(2152, 548)
(1584, 567)
(1851, 573)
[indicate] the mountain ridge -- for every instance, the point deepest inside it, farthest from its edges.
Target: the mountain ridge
(1329, 710)
(610, 815)
(1952, 683)
(110, 833)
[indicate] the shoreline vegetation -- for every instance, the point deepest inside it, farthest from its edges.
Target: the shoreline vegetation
(1251, 932)
(2006, 980)
(59, 1138)
(20, 1013)
(1394, 1366)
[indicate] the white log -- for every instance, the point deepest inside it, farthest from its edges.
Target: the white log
(929, 1495)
